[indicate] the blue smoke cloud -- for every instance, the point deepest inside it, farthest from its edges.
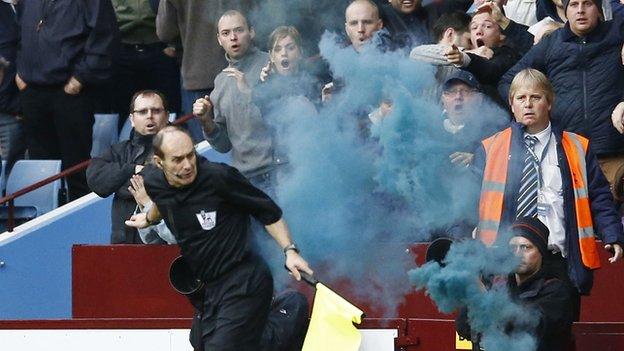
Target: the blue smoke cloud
(357, 195)
(353, 201)
(490, 311)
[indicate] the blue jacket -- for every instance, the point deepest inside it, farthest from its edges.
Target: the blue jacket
(607, 223)
(8, 50)
(65, 38)
(588, 77)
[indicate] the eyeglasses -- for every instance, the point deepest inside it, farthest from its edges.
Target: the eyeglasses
(461, 91)
(521, 248)
(146, 111)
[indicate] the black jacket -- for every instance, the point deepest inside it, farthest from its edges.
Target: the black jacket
(110, 173)
(8, 50)
(518, 37)
(542, 295)
(65, 38)
(588, 77)
(546, 8)
(489, 72)
(210, 217)
(407, 30)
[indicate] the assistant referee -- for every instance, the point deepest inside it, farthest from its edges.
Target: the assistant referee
(207, 206)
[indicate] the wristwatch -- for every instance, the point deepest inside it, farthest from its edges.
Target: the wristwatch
(291, 247)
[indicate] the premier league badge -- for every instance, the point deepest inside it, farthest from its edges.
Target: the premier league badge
(207, 220)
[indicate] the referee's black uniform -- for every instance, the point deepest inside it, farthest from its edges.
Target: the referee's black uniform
(210, 220)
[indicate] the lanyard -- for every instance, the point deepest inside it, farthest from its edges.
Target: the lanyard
(538, 160)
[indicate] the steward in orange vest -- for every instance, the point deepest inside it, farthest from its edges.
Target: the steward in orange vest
(587, 200)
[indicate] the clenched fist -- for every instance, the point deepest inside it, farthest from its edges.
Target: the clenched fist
(202, 108)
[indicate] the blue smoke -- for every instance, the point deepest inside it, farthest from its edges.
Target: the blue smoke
(490, 311)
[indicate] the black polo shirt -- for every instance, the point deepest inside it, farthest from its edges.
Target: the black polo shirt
(210, 217)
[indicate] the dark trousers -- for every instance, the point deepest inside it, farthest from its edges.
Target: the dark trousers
(235, 309)
(559, 266)
(12, 143)
(139, 67)
(59, 126)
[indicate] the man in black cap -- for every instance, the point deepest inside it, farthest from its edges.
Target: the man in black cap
(534, 286)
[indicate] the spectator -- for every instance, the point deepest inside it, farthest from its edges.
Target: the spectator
(286, 73)
(536, 288)
(490, 59)
(408, 22)
(65, 51)
(450, 29)
(453, 28)
(516, 35)
(112, 172)
(550, 8)
(229, 124)
(283, 80)
(143, 61)
(468, 117)
(361, 22)
(584, 63)
(195, 22)
(12, 142)
(534, 169)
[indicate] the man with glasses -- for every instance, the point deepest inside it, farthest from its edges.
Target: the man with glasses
(468, 118)
(114, 171)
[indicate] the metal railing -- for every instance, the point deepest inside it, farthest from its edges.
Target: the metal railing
(71, 170)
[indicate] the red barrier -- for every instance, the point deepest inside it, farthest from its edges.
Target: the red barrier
(131, 281)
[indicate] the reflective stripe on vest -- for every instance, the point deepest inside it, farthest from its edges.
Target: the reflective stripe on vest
(497, 153)
(493, 186)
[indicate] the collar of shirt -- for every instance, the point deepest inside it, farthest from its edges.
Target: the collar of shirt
(542, 138)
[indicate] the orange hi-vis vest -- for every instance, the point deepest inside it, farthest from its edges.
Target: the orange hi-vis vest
(497, 156)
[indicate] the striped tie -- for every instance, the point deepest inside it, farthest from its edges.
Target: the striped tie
(527, 198)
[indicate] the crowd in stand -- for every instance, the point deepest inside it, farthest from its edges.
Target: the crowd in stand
(62, 61)
(59, 72)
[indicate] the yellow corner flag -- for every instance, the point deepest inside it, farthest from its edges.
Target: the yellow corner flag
(331, 326)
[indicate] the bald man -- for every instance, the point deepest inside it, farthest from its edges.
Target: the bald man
(208, 206)
(361, 22)
(229, 124)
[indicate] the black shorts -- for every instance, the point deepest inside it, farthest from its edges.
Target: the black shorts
(235, 308)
